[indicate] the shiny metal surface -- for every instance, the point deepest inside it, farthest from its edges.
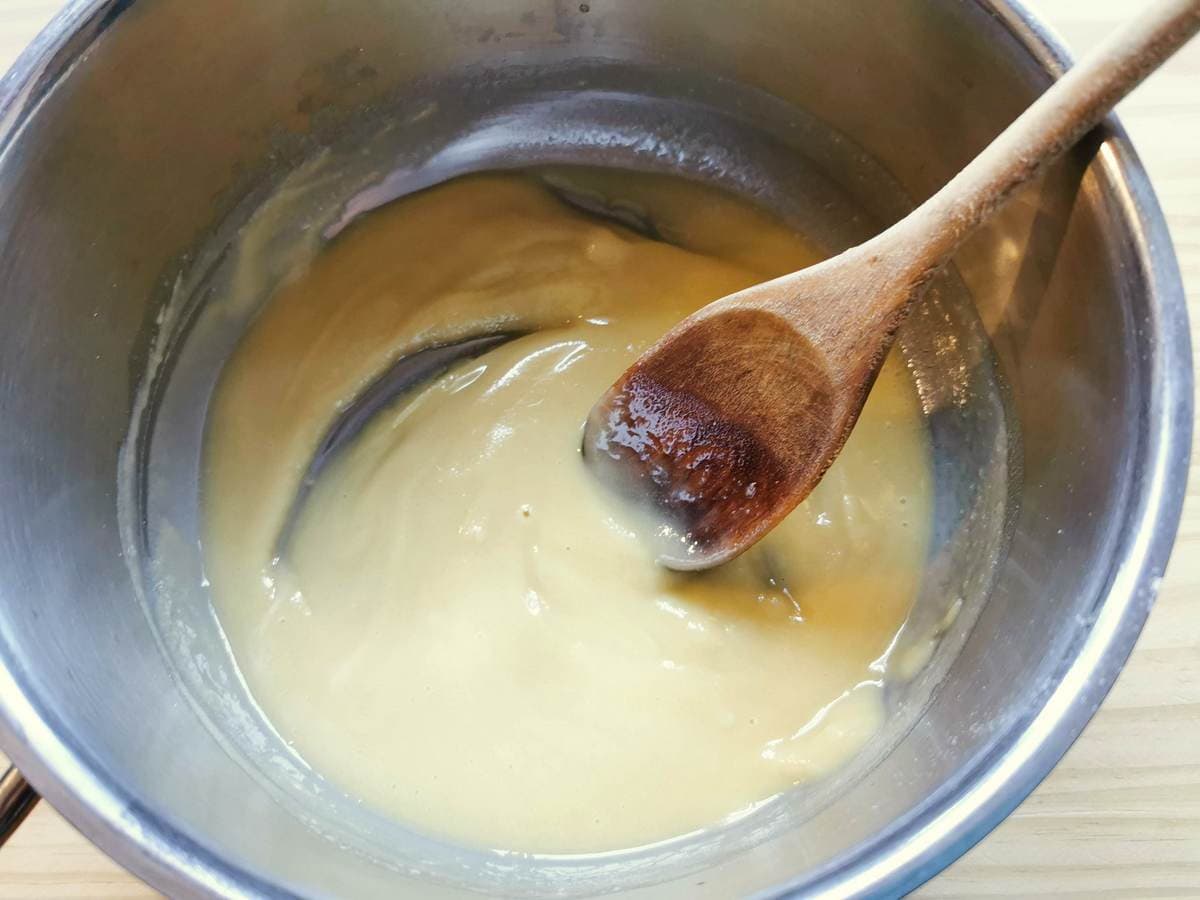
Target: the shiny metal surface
(130, 134)
(17, 800)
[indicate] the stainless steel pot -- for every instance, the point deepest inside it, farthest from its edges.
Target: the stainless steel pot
(131, 133)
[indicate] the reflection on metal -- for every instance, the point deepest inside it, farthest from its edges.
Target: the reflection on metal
(17, 799)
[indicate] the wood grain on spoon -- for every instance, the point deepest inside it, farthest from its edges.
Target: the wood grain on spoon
(731, 419)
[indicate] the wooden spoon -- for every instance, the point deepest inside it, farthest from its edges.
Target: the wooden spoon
(731, 419)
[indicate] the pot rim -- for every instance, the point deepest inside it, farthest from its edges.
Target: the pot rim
(911, 851)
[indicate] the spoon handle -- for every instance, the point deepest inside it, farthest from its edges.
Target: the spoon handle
(1071, 107)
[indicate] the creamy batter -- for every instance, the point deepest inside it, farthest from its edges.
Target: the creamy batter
(465, 630)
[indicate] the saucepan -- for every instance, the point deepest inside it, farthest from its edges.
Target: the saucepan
(1053, 364)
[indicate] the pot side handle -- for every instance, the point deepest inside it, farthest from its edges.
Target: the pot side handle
(17, 799)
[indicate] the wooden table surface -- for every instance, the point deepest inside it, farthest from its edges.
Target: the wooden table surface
(1120, 816)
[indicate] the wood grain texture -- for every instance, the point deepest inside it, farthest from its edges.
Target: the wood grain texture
(1120, 816)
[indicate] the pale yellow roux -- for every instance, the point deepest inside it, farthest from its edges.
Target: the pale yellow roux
(467, 632)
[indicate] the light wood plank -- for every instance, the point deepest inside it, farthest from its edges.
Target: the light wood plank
(1120, 816)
